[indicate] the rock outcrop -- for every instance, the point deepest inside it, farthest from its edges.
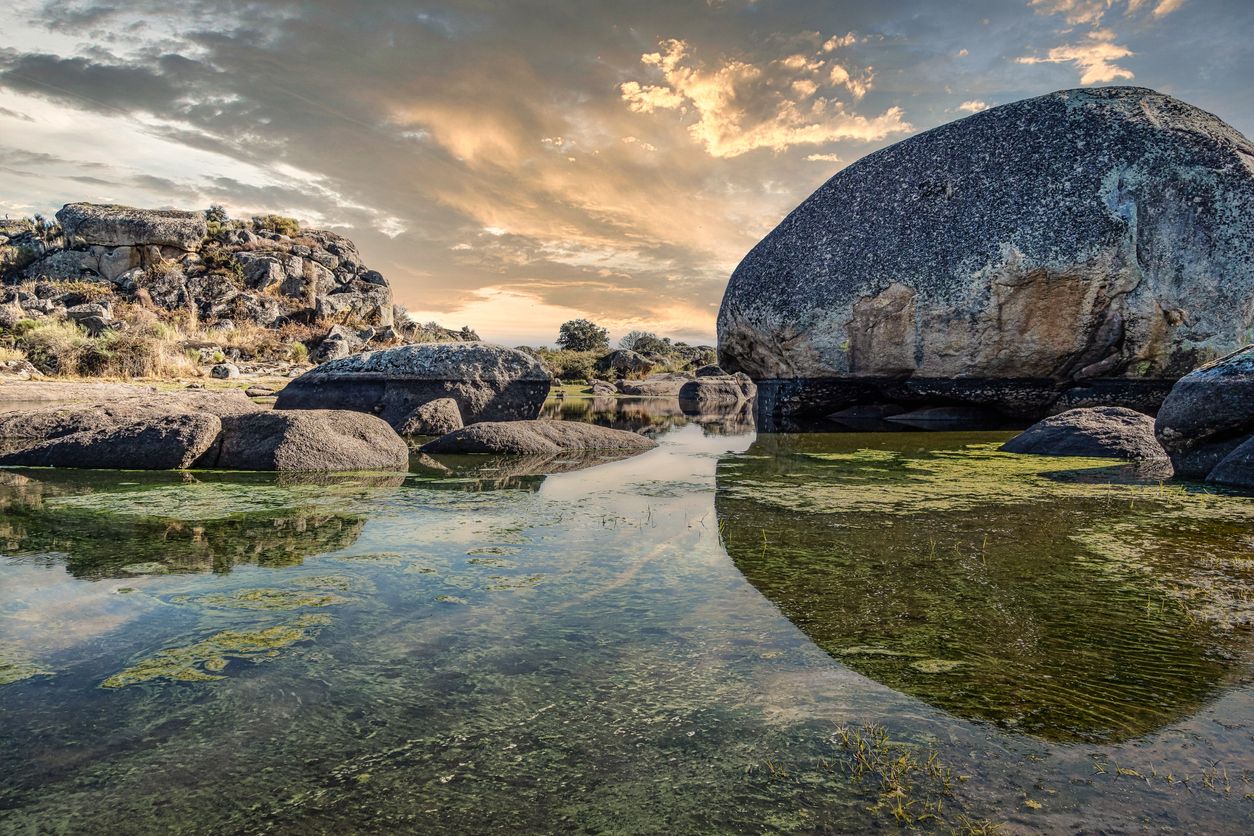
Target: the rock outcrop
(1086, 247)
(624, 362)
(1096, 432)
(529, 438)
(88, 224)
(488, 382)
(1209, 414)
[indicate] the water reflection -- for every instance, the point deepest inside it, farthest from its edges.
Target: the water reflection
(1062, 598)
(650, 416)
(151, 522)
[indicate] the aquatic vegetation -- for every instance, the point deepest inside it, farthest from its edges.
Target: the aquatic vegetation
(204, 660)
(270, 599)
(15, 666)
(338, 582)
(149, 568)
(1046, 595)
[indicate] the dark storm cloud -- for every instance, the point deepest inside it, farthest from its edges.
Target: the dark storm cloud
(613, 159)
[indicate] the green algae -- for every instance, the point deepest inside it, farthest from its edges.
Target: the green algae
(488, 561)
(204, 660)
(450, 599)
(1084, 601)
(16, 666)
(341, 583)
(269, 599)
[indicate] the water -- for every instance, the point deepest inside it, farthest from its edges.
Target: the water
(821, 633)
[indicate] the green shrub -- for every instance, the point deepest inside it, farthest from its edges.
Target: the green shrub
(281, 224)
(298, 352)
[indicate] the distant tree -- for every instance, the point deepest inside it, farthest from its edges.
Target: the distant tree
(216, 214)
(583, 335)
(643, 341)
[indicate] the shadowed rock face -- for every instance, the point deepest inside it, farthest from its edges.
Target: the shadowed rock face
(1081, 248)
(1209, 414)
(488, 382)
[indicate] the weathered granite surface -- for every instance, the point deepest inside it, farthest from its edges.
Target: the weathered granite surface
(1095, 432)
(1209, 414)
(124, 226)
(488, 382)
(1086, 247)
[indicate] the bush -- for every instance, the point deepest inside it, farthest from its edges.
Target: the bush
(643, 341)
(281, 224)
(298, 352)
(569, 365)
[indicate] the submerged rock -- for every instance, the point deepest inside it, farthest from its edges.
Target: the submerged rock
(308, 440)
(1093, 432)
(161, 442)
(1082, 248)
(536, 437)
(488, 382)
(1209, 414)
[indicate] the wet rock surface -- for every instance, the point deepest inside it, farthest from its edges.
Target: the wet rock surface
(1095, 432)
(1209, 415)
(1088, 247)
(488, 382)
(536, 438)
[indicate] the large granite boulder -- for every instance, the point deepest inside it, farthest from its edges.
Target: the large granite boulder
(1082, 248)
(308, 440)
(1236, 470)
(536, 438)
(1209, 414)
(123, 226)
(153, 442)
(624, 362)
(1096, 432)
(488, 382)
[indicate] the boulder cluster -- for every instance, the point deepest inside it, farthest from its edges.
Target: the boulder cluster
(1204, 431)
(265, 271)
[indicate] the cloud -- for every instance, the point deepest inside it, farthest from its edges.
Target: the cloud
(1095, 57)
(739, 106)
(973, 106)
(822, 158)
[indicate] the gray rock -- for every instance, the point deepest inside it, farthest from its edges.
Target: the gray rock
(623, 362)
(436, 417)
(1209, 413)
(488, 382)
(97, 325)
(1097, 239)
(707, 395)
(657, 386)
(62, 265)
(112, 262)
(1236, 470)
(89, 309)
(123, 226)
(224, 371)
(536, 437)
(710, 371)
(87, 407)
(309, 440)
(1098, 432)
(158, 442)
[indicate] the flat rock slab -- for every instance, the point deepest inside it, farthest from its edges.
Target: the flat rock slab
(308, 440)
(1096, 432)
(536, 438)
(158, 442)
(488, 382)
(62, 419)
(125, 226)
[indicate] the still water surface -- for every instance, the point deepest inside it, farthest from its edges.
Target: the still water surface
(792, 633)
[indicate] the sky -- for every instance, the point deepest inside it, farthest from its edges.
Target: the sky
(512, 165)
